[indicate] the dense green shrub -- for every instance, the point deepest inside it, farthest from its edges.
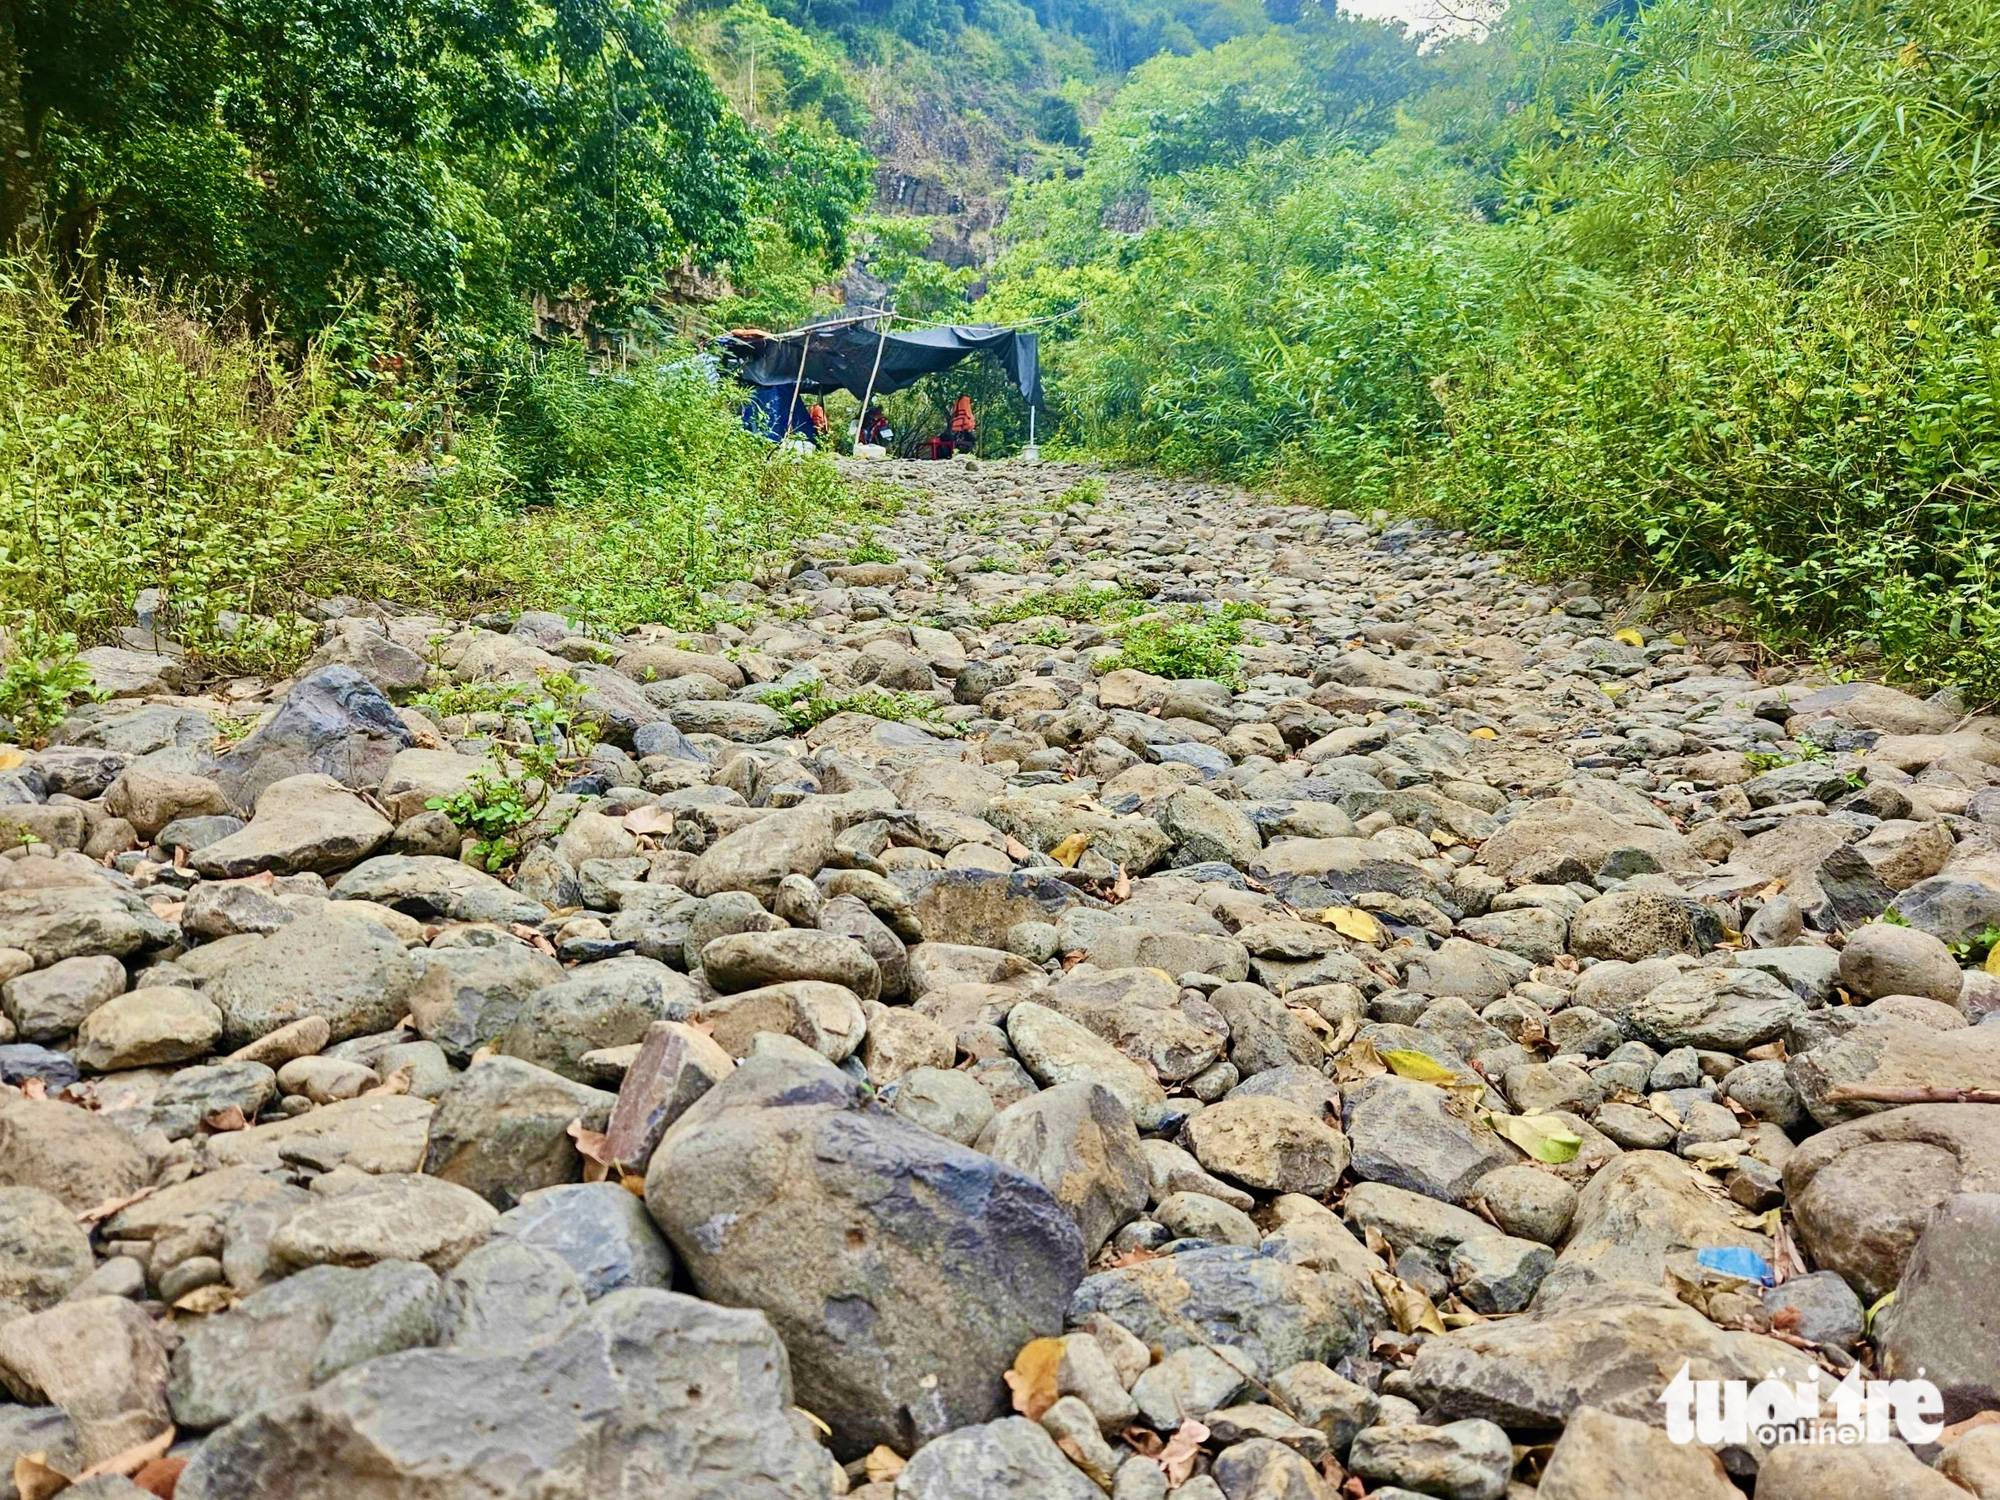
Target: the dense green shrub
(150, 449)
(1699, 295)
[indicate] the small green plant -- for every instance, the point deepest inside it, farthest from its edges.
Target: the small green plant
(1975, 949)
(994, 564)
(42, 677)
(1081, 604)
(511, 790)
(805, 704)
(1083, 492)
(871, 551)
(1182, 648)
(1048, 635)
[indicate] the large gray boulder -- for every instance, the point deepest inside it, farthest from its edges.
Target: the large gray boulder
(1253, 1299)
(353, 973)
(608, 1004)
(303, 823)
(1012, 1459)
(1863, 1191)
(902, 1270)
(1638, 1218)
(502, 1129)
(52, 923)
(1945, 1322)
(599, 1229)
(333, 721)
(649, 1393)
(1078, 1141)
(301, 1332)
(1404, 1133)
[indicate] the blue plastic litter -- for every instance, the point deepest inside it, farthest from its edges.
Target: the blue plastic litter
(1734, 1260)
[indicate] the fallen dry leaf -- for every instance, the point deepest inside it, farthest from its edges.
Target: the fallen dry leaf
(649, 820)
(1033, 1378)
(134, 1458)
(397, 1082)
(1408, 1306)
(34, 1088)
(1070, 850)
(205, 1301)
(160, 1477)
(883, 1464)
(590, 1145)
(1183, 1448)
(36, 1479)
(224, 1120)
(111, 1206)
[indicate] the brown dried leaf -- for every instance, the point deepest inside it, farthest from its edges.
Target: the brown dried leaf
(226, 1119)
(1033, 1378)
(883, 1464)
(111, 1206)
(590, 1145)
(206, 1300)
(160, 1477)
(134, 1458)
(1143, 1441)
(35, 1479)
(649, 820)
(1183, 1448)
(397, 1082)
(1410, 1309)
(1359, 1061)
(34, 1088)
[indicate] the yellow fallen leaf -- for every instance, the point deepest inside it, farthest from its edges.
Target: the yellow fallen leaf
(1408, 1063)
(1993, 960)
(13, 760)
(1483, 733)
(1628, 636)
(1033, 1378)
(1611, 689)
(1353, 922)
(1070, 850)
(1887, 1299)
(1677, 639)
(1543, 1137)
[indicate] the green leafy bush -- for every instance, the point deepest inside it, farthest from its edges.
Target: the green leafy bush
(144, 447)
(513, 788)
(40, 677)
(1081, 603)
(805, 704)
(1182, 647)
(1699, 296)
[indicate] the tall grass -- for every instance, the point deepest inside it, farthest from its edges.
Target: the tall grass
(145, 447)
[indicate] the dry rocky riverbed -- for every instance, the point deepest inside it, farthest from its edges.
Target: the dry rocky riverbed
(1130, 1092)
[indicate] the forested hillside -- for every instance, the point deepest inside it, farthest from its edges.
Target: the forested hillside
(1699, 292)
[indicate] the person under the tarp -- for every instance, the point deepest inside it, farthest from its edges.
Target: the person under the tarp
(962, 430)
(818, 424)
(875, 427)
(961, 434)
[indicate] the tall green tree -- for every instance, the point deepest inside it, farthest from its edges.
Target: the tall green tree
(457, 155)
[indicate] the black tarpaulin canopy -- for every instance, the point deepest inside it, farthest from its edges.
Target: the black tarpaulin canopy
(844, 357)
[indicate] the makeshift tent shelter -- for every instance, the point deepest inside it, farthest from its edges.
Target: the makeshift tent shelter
(860, 355)
(853, 356)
